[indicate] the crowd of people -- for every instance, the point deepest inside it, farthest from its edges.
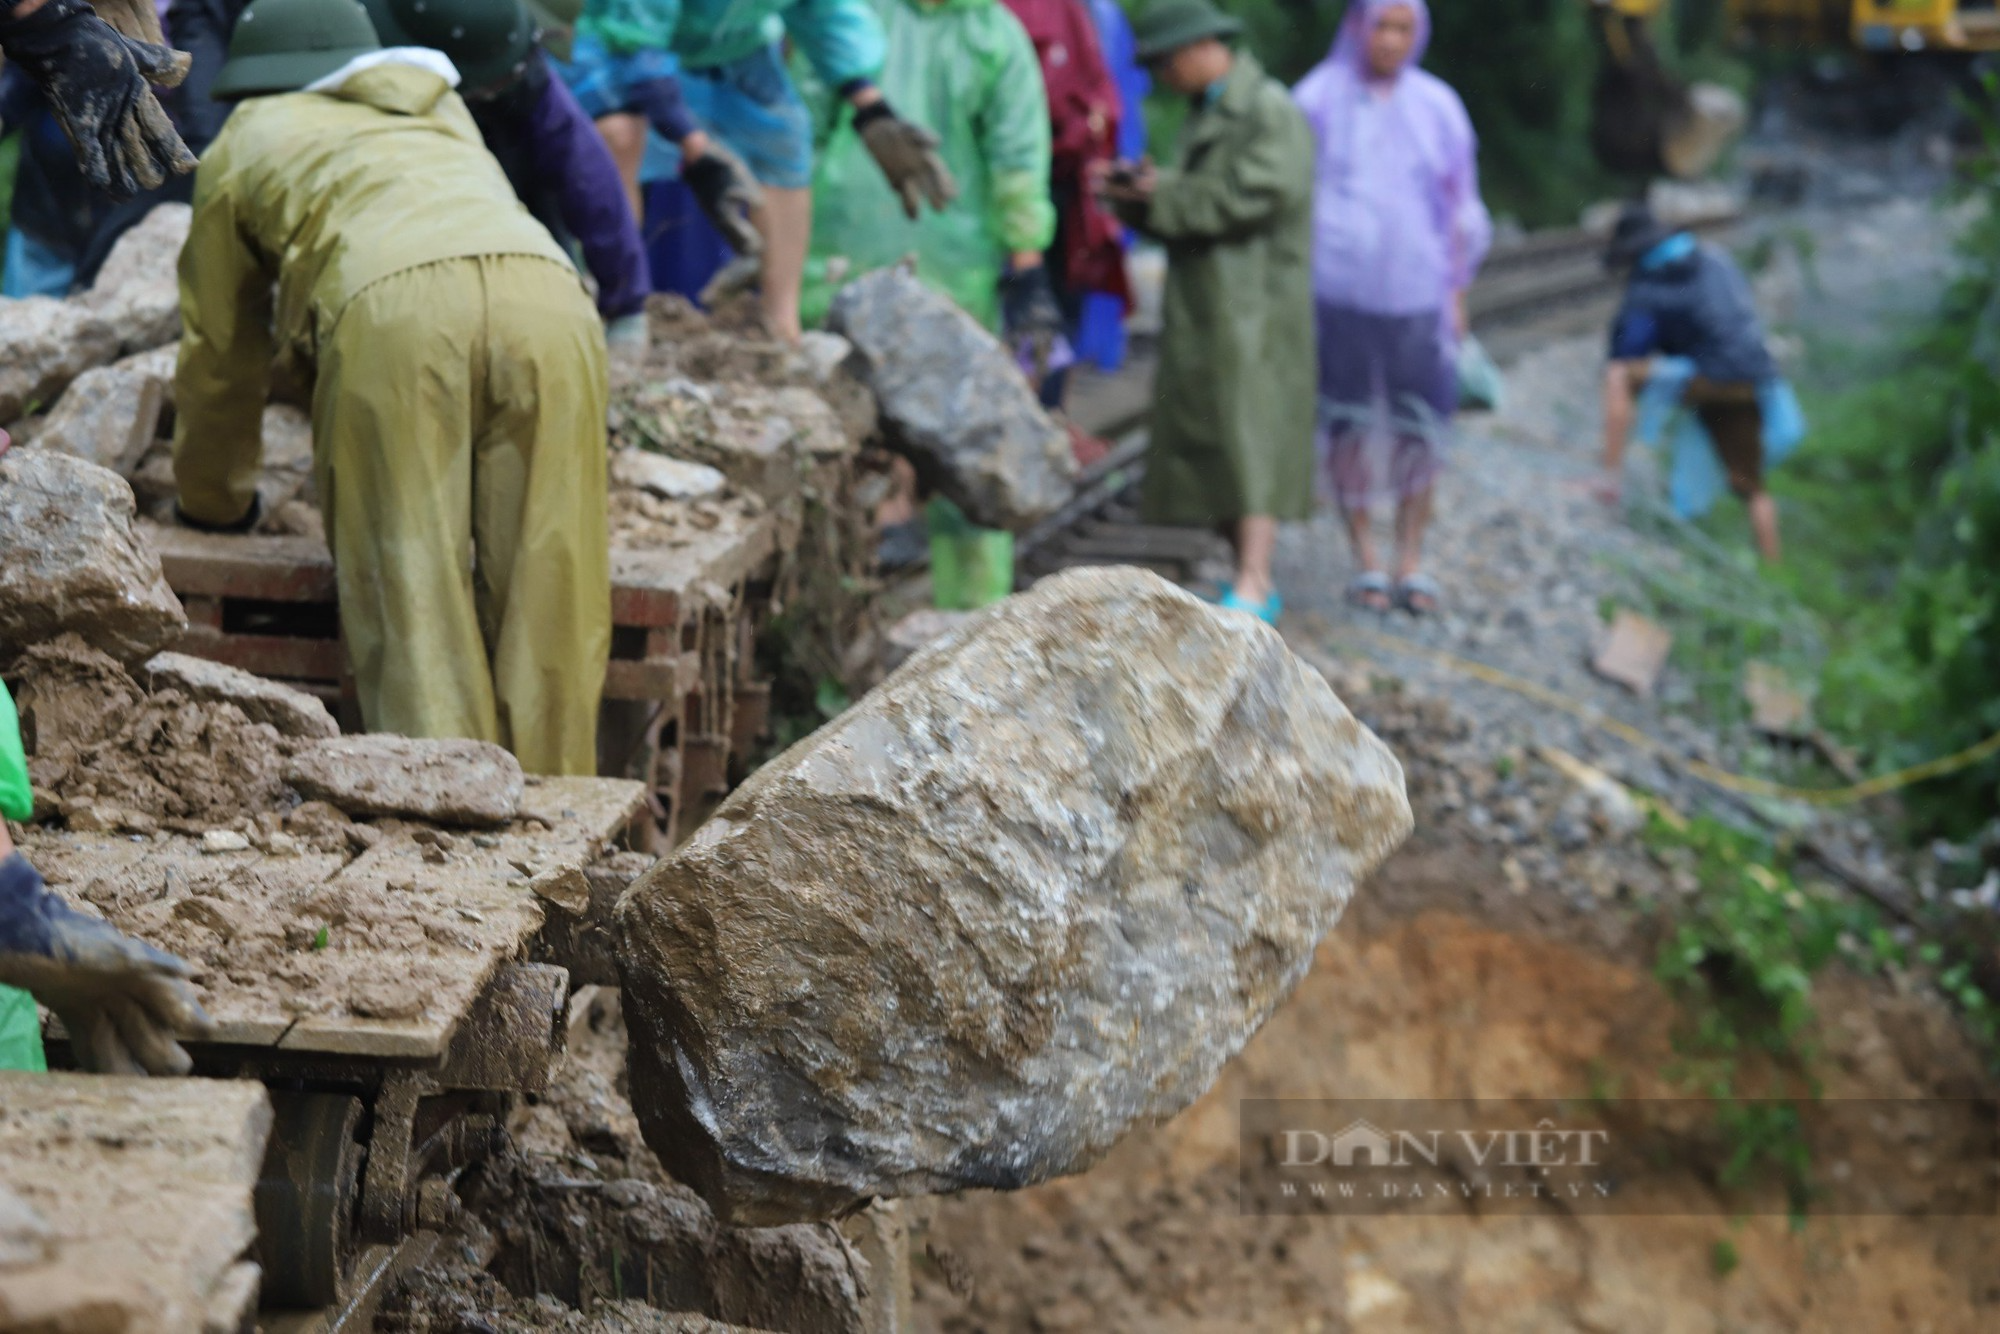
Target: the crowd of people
(395, 198)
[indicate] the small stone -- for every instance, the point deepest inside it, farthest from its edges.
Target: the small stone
(293, 713)
(108, 416)
(224, 840)
(565, 886)
(662, 476)
(283, 845)
(435, 855)
(453, 781)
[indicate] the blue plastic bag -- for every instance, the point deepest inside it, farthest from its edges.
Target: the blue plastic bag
(1696, 478)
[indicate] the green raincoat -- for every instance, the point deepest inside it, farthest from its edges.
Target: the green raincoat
(20, 1026)
(1233, 415)
(965, 70)
(458, 405)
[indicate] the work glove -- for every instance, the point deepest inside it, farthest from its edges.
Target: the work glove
(627, 333)
(908, 156)
(1029, 313)
(95, 79)
(728, 194)
(122, 1001)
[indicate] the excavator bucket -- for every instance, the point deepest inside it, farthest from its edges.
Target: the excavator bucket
(1644, 122)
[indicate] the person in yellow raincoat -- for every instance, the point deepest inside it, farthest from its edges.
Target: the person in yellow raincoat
(460, 393)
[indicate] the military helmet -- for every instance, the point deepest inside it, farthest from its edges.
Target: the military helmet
(280, 46)
(489, 40)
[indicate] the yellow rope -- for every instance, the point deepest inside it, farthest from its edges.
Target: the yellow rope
(1722, 778)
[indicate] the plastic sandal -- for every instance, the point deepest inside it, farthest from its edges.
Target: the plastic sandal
(1268, 612)
(1419, 586)
(1370, 591)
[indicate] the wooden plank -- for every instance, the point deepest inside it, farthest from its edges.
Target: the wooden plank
(147, 1189)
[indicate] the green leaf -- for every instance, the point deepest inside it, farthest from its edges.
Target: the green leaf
(324, 935)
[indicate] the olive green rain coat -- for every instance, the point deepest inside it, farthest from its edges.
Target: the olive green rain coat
(1233, 416)
(459, 403)
(966, 71)
(20, 1022)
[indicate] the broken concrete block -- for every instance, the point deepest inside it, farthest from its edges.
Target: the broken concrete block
(71, 561)
(442, 781)
(1030, 892)
(44, 344)
(108, 415)
(137, 289)
(954, 401)
(673, 479)
(293, 713)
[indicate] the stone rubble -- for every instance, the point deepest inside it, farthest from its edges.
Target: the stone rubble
(70, 560)
(453, 782)
(293, 713)
(137, 290)
(1029, 893)
(45, 344)
(108, 416)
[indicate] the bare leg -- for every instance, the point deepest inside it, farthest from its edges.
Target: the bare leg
(1413, 517)
(1361, 538)
(786, 222)
(1764, 522)
(1256, 543)
(625, 135)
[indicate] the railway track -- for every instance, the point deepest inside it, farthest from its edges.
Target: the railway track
(1544, 285)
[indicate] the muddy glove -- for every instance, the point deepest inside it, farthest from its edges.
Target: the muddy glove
(908, 156)
(122, 1001)
(1029, 313)
(728, 195)
(95, 80)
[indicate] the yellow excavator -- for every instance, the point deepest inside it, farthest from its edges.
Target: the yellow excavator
(1879, 27)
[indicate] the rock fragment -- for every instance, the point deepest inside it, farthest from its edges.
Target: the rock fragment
(1029, 893)
(108, 416)
(137, 289)
(44, 344)
(70, 560)
(674, 479)
(454, 782)
(953, 401)
(293, 712)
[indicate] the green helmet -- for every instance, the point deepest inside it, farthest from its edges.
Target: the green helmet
(280, 46)
(489, 40)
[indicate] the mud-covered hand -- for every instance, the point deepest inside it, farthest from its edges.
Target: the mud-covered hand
(98, 81)
(728, 195)
(1029, 313)
(123, 1002)
(908, 155)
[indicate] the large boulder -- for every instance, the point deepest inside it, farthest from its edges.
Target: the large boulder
(954, 401)
(44, 344)
(293, 713)
(71, 561)
(1029, 893)
(137, 289)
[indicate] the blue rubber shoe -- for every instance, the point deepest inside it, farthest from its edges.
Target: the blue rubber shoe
(1268, 612)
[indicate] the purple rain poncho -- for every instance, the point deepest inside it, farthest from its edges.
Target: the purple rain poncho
(1398, 228)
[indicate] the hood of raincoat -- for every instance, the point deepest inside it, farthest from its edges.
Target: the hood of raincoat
(1398, 221)
(1346, 65)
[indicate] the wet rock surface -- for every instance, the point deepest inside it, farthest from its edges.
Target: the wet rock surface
(293, 713)
(44, 344)
(954, 402)
(137, 289)
(442, 781)
(71, 561)
(107, 416)
(1032, 891)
